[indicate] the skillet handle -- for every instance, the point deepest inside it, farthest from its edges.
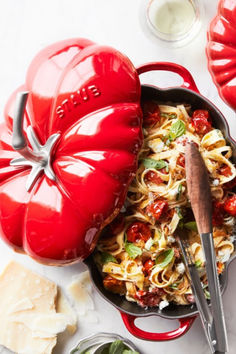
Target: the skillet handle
(188, 81)
(185, 324)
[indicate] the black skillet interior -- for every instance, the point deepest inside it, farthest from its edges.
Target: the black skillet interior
(167, 96)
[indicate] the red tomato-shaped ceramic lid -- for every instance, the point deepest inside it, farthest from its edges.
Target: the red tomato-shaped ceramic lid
(221, 51)
(80, 131)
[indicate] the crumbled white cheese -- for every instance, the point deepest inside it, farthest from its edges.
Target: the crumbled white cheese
(183, 139)
(149, 244)
(156, 145)
(216, 182)
(163, 304)
(173, 192)
(170, 239)
(223, 256)
(232, 238)
(180, 268)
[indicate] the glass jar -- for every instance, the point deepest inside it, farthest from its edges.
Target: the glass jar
(174, 21)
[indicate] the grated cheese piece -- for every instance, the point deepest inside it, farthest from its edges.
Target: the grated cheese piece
(64, 307)
(21, 305)
(79, 292)
(79, 295)
(163, 304)
(180, 268)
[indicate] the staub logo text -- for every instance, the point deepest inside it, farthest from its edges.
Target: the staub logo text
(77, 98)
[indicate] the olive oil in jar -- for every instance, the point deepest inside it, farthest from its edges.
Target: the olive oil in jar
(173, 20)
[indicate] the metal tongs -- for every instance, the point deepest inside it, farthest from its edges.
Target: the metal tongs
(199, 193)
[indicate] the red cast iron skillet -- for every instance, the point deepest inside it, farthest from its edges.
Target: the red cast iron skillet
(187, 93)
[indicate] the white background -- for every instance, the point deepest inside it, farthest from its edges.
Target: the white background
(26, 26)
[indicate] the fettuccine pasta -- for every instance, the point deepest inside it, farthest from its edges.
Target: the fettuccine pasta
(138, 253)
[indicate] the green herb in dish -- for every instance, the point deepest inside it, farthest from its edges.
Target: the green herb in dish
(177, 129)
(207, 294)
(107, 257)
(198, 263)
(165, 258)
(178, 210)
(180, 188)
(191, 225)
(132, 250)
(156, 164)
(118, 347)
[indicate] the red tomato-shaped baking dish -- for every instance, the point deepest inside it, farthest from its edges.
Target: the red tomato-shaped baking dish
(77, 133)
(221, 51)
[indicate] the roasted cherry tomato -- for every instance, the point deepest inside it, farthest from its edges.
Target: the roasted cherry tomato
(202, 113)
(225, 171)
(117, 224)
(138, 231)
(148, 266)
(230, 205)
(164, 170)
(217, 213)
(149, 298)
(157, 208)
(114, 285)
(181, 160)
(201, 121)
(153, 177)
(151, 113)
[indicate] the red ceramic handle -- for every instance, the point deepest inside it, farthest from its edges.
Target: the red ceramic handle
(188, 81)
(185, 324)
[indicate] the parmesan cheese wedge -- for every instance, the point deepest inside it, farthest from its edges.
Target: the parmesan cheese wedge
(18, 287)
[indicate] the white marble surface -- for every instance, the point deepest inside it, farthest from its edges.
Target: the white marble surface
(26, 26)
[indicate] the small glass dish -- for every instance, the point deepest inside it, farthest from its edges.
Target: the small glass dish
(175, 22)
(91, 344)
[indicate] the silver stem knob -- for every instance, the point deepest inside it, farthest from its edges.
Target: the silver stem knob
(39, 157)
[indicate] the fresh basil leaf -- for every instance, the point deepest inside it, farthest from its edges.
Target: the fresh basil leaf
(207, 294)
(181, 224)
(117, 347)
(177, 129)
(174, 286)
(172, 136)
(128, 351)
(178, 211)
(198, 263)
(180, 187)
(168, 115)
(191, 225)
(107, 257)
(204, 286)
(156, 164)
(132, 250)
(165, 258)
